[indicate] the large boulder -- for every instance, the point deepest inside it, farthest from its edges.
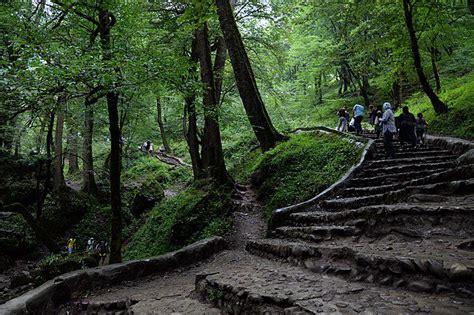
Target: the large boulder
(466, 158)
(142, 196)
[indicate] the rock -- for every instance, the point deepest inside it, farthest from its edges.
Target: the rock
(436, 268)
(442, 288)
(420, 286)
(406, 264)
(467, 245)
(466, 158)
(370, 279)
(386, 280)
(21, 279)
(459, 272)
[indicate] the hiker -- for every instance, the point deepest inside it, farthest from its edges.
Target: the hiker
(406, 126)
(388, 130)
(342, 124)
(421, 126)
(102, 250)
(90, 245)
(358, 114)
(372, 115)
(351, 127)
(378, 124)
(70, 245)
(150, 148)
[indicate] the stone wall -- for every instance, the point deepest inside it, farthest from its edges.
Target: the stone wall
(45, 298)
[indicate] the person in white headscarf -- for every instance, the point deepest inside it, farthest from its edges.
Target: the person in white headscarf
(388, 130)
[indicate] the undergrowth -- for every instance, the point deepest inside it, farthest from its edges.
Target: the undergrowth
(301, 167)
(198, 212)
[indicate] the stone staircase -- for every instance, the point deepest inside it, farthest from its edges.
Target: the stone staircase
(396, 238)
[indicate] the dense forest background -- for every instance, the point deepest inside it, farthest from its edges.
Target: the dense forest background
(216, 85)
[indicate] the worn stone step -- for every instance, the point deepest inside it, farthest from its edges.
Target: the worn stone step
(414, 153)
(317, 233)
(387, 179)
(382, 213)
(405, 161)
(413, 167)
(399, 195)
(359, 262)
(287, 289)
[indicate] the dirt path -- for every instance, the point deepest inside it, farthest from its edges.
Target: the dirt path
(249, 223)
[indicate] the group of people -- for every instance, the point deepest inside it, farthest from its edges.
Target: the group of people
(100, 248)
(411, 130)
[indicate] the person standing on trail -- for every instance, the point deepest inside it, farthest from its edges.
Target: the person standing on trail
(378, 124)
(102, 250)
(358, 113)
(150, 148)
(421, 126)
(407, 124)
(342, 124)
(388, 130)
(70, 245)
(372, 115)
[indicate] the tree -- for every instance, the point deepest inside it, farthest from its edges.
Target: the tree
(257, 114)
(438, 105)
(161, 126)
(212, 156)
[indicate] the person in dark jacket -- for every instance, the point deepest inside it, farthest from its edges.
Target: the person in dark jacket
(406, 125)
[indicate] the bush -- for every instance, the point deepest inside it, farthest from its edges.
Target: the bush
(194, 214)
(301, 167)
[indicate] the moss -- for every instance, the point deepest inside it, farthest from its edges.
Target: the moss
(301, 167)
(196, 213)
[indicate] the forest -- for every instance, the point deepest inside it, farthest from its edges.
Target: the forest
(139, 123)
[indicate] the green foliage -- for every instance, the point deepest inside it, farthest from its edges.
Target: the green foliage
(148, 168)
(301, 167)
(55, 265)
(459, 121)
(194, 214)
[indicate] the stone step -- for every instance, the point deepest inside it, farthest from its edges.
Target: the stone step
(316, 233)
(388, 179)
(286, 289)
(399, 195)
(413, 167)
(359, 262)
(382, 213)
(408, 154)
(405, 161)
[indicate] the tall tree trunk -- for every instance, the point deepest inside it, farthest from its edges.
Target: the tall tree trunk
(73, 152)
(159, 120)
(318, 88)
(106, 22)
(438, 105)
(191, 136)
(212, 155)
(88, 180)
(257, 114)
(191, 131)
(58, 174)
(219, 66)
(434, 66)
(41, 195)
(470, 5)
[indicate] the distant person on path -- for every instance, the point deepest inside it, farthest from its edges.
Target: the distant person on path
(358, 113)
(70, 245)
(421, 127)
(388, 130)
(102, 250)
(342, 124)
(372, 115)
(407, 124)
(378, 123)
(90, 245)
